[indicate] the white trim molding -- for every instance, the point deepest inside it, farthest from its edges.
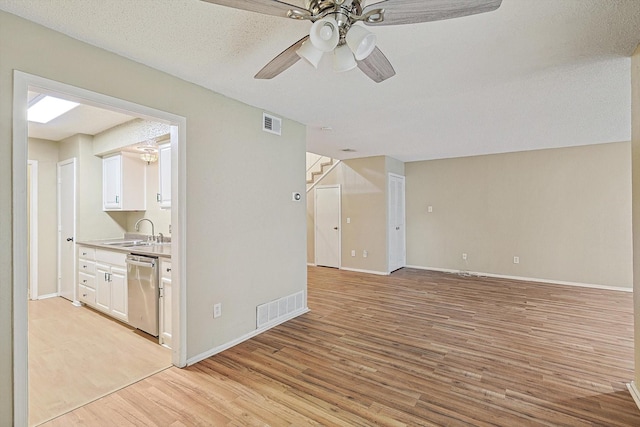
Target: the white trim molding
(33, 230)
(524, 279)
(357, 270)
(635, 393)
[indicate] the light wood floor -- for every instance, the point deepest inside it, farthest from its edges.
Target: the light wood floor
(416, 349)
(77, 355)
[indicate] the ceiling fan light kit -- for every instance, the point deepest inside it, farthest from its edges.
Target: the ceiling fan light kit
(324, 34)
(343, 59)
(361, 42)
(333, 29)
(310, 53)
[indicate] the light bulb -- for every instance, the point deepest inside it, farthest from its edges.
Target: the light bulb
(326, 32)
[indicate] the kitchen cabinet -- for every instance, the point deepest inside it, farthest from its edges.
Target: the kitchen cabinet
(164, 182)
(164, 312)
(123, 183)
(111, 284)
(87, 275)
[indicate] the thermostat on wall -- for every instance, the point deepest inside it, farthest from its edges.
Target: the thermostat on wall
(296, 197)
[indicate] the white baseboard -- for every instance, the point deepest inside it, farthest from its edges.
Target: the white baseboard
(635, 393)
(47, 296)
(311, 264)
(525, 279)
(195, 359)
(357, 270)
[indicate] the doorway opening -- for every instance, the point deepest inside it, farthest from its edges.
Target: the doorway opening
(23, 214)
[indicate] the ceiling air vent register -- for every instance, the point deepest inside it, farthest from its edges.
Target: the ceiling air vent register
(271, 124)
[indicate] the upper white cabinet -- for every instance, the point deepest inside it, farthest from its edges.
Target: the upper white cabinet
(164, 168)
(124, 183)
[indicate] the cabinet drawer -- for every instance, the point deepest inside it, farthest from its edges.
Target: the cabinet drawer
(87, 253)
(86, 295)
(88, 267)
(87, 280)
(165, 269)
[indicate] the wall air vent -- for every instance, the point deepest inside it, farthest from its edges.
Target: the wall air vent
(271, 124)
(276, 311)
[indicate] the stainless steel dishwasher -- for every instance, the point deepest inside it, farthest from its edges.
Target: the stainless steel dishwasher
(142, 286)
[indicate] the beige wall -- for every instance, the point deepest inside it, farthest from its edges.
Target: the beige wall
(46, 153)
(364, 184)
(635, 158)
(237, 254)
(565, 212)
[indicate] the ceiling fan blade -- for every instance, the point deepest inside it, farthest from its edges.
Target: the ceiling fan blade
(268, 7)
(377, 66)
(399, 12)
(281, 62)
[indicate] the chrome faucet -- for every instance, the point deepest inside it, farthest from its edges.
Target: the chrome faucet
(153, 231)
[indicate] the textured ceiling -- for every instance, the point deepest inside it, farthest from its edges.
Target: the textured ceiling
(533, 74)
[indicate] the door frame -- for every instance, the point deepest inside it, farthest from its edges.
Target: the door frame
(33, 230)
(22, 82)
(59, 165)
(315, 220)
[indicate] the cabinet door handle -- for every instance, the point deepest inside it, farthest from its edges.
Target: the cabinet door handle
(158, 197)
(168, 270)
(84, 280)
(117, 199)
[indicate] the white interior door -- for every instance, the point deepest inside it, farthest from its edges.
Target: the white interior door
(66, 228)
(397, 232)
(327, 217)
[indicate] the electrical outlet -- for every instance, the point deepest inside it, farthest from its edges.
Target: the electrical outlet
(217, 310)
(353, 252)
(365, 254)
(464, 256)
(430, 209)
(516, 260)
(348, 220)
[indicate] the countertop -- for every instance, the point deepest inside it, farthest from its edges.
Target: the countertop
(157, 250)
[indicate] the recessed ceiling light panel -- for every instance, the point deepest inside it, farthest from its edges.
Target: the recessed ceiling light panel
(47, 108)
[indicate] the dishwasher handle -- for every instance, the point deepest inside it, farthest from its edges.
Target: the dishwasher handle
(139, 263)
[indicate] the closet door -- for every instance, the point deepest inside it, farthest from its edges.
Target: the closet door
(396, 227)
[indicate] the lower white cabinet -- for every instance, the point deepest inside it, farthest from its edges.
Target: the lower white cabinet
(111, 290)
(164, 305)
(106, 288)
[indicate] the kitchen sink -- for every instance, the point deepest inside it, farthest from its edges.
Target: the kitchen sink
(123, 242)
(134, 243)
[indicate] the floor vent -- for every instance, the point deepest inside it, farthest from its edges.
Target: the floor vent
(274, 311)
(271, 124)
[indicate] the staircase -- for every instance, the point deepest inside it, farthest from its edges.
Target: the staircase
(317, 167)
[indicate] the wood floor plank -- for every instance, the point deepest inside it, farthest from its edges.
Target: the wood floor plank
(415, 348)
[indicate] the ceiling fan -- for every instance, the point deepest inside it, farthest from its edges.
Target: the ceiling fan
(334, 29)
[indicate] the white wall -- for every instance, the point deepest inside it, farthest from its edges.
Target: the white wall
(566, 213)
(245, 242)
